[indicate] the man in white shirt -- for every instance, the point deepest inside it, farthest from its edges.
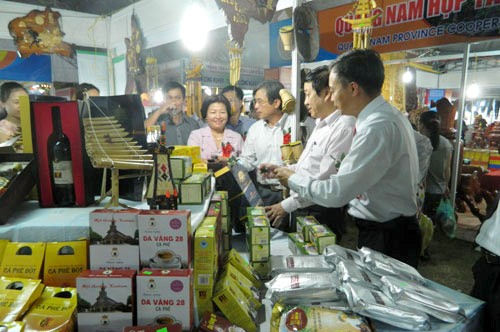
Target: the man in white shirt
(265, 137)
(326, 147)
(378, 177)
(486, 270)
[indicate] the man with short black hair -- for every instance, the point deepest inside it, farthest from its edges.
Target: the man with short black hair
(178, 124)
(237, 122)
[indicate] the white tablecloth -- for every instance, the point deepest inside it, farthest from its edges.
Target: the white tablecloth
(30, 223)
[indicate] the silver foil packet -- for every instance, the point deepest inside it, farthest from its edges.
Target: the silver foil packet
(335, 253)
(384, 265)
(375, 304)
(303, 287)
(350, 272)
(299, 263)
(430, 301)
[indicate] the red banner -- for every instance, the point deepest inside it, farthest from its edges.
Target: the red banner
(404, 25)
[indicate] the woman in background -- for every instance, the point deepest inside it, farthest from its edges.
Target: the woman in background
(86, 88)
(438, 174)
(10, 109)
(215, 140)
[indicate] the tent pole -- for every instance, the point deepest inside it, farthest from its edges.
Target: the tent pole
(295, 82)
(457, 163)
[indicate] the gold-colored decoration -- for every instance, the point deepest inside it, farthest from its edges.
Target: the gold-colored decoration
(362, 22)
(288, 101)
(151, 73)
(110, 146)
(287, 38)
(194, 97)
(234, 63)
(393, 88)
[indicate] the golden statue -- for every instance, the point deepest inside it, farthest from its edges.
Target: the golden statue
(362, 22)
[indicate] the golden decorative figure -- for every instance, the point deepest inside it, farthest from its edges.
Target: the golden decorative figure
(362, 22)
(234, 63)
(194, 96)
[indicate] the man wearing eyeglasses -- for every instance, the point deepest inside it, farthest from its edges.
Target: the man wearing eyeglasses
(171, 113)
(378, 178)
(265, 137)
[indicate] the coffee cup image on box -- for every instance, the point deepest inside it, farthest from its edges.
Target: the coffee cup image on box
(165, 259)
(165, 320)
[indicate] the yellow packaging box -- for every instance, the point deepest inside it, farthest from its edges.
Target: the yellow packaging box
(258, 230)
(23, 259)
(234, 257)
(256, 211)
(3, 244)
(321, 236)
(245, 285)
(191, 151)
(16, 296)
(293, 240)
(200, 168)
(263, 269)
(260, 252)
(302, 225)
(55, 310)
(233, 304)
(13, 326)
(194, 189)
(64, 261)
(24, 105)
(225, 198)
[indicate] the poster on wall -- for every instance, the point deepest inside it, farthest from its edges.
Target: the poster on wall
(404, 25)
(36, 68)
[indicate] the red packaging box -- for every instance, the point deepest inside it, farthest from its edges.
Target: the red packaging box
(41, 119)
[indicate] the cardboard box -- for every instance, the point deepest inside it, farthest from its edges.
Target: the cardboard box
(105, 300)
(295, 240)
(258, 230)
(225, 201)
(165, 238)
(321, 236)
(182, 167)
(303, 223)
(245, 285)
(13, 326)
(17, 295)
(3, 244)
(235, 258)
(23, 259)
(263, 269)
(165, 297)
(55, 310)
(259, 252)
(114, 239)
(156, 328)
(214, 323)
(193, 190)
(83, 172)
(233, 304)
(64, 261)
(200, 168)
(19, 186)
(191, 151)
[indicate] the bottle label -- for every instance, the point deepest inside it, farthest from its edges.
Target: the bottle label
(63, 172)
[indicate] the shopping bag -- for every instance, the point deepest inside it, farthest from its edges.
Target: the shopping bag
(427, 230)
(445, 217)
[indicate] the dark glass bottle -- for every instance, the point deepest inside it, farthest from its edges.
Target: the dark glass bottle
(61, 167)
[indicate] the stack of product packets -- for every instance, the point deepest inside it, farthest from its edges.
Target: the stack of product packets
(259, 239)
(311, 237)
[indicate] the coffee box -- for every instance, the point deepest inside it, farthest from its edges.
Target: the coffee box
(234, 305)
(17, 295)
(256, 211)
(259, 252)
(302, 225)
(3, 244)
(114, 239)
(321, 236)
(182, 167)
(258, 230)
(23, 259)
(200, 168)
(105, 300)
(165, 238)
(12, 326)
(225, 198)
(64, 261)
(193, 189)
(55, 310)
(245, 285)
(154, 328)
(191, 151)
(165, 297)
(293, 240)
(233, 257)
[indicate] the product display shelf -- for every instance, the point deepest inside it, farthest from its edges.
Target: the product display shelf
(473, 307)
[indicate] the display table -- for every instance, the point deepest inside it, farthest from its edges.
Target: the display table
(473, 307)
(30, 223)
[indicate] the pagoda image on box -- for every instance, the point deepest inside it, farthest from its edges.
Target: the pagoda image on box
(110, 146)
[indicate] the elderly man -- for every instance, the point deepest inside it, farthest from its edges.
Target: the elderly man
(328, 144)
(378, 177)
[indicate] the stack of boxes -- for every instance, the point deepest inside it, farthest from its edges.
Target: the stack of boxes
(259, 240)
(311, 237)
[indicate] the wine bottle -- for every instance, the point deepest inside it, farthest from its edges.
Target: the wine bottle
(61, 167)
